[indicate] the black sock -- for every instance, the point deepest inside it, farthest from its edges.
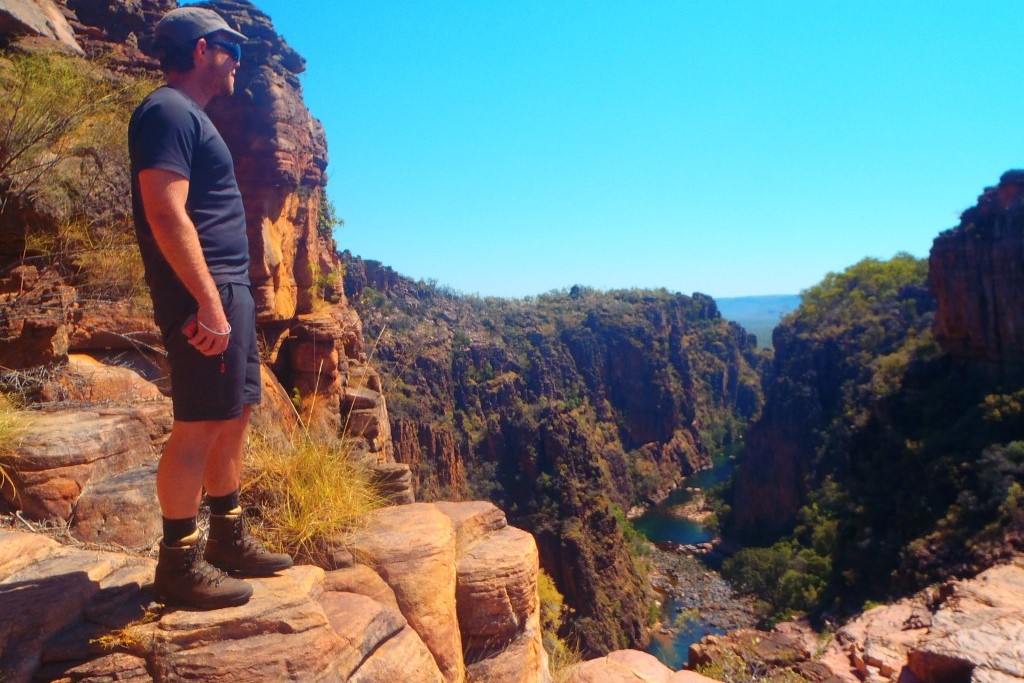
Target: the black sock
(177, 529)
(222, 505)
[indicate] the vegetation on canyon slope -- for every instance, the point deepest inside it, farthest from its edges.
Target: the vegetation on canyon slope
(913, 462)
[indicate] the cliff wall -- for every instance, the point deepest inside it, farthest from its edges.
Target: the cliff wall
(976, 271)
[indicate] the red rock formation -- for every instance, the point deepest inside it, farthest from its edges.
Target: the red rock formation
(976, 271)
(35, 307)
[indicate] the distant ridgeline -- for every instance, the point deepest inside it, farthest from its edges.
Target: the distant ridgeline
(758, 315)
(565, 410)
(890, 446)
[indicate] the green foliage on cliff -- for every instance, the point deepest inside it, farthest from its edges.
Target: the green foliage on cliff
(909, 464)
(64, 185)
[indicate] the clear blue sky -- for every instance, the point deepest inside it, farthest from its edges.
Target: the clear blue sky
(732, 148)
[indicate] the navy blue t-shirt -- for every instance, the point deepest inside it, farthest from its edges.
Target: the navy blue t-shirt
(171, 132)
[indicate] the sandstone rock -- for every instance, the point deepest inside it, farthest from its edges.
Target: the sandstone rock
(377, 641)
(111, 325)
(37, 17)
(402, 658)
(61, 452)
(120, 667)
(412, 547)
(35, 307)
(629, 666)
(980, 630)
(122, 510)
(523, 660)
(473, 520)
(362, 580)
(393, 482)
(974, 271)
(280, 634)
(275, 415)
(497, 590)
(89, 380)
(42, 597)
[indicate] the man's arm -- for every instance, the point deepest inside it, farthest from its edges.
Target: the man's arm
(164, 194)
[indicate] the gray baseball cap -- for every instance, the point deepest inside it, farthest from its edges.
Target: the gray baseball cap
(187, 24)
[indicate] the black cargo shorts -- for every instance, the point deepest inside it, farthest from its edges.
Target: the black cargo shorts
(214, 387)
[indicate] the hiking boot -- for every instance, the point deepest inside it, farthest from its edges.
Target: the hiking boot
(183, 577)
(232, 548)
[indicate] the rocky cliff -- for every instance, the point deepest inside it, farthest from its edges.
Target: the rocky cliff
(976, 271)
(565, 410)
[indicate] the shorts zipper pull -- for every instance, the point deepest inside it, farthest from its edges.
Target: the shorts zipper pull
(223, 367)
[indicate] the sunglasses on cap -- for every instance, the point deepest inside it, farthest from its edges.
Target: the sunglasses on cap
(233, 49)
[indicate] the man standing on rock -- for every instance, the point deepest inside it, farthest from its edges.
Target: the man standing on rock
(190, 225)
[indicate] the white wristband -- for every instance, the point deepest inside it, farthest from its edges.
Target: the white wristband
(219, 334)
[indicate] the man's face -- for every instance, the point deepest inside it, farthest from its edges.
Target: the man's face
(220, 64)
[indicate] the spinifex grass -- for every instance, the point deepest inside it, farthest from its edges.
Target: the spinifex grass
(311, 491)
(12, 423)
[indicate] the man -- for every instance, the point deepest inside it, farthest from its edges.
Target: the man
(190, 225)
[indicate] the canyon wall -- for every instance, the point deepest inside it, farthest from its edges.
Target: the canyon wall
(566, 410)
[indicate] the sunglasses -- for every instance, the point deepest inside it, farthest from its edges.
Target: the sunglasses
(233, 49)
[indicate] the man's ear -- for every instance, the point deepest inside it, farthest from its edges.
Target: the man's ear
(199, 51)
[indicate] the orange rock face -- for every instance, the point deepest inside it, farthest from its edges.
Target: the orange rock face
(976, 275)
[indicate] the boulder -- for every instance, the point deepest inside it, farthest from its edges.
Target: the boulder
(113, 325)
(377, 641)
(40, 18)
(122, 510)
(361, 580)
(60, 453)
(629, 666)
(473, 520)
(412, 547)
(497, 590)
(402, 658)
(979, 631)
(523, 660)
(47, 589)
(280, 634)
(87, 379)
(35, 306)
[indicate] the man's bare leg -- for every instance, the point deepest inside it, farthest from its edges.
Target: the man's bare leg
(231, 546)
(179, 477)
(182, 575)
(223, 472)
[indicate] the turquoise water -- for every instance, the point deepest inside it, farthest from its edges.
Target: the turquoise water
(658, 525)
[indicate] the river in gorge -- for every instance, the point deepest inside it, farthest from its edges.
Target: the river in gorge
(696, 600)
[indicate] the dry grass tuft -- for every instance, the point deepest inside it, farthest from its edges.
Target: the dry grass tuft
(311, 490)
(12, 424)
(133, 637)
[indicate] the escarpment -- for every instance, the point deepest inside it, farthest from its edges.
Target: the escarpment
(976, 271)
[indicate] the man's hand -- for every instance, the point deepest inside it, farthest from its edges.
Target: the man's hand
(209, 338)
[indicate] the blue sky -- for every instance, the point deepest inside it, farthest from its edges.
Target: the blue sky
(732, 148)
